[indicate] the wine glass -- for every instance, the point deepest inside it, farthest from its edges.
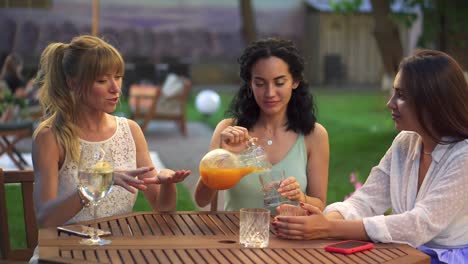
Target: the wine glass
(96, 177)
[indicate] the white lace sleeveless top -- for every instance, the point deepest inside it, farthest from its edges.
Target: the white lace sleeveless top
(118, 200)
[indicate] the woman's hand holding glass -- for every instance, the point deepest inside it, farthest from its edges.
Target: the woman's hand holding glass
(291, 189)
(312, 226)
(167, 176)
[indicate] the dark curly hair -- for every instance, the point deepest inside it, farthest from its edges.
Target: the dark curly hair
(301, 111)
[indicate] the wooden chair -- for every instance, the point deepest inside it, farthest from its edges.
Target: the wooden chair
(149, 103)
(26, 180)
(10, 134)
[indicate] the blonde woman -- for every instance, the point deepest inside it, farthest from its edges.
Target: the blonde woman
(81, 86)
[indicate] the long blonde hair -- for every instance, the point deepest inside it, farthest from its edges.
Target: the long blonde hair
(82, 60)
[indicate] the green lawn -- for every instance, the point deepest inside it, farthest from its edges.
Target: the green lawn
(360, 131)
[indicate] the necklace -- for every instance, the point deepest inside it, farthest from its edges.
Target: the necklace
(426, 152)
(269, 138)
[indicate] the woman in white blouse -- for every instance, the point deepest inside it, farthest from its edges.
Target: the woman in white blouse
(81, 86)
(423, 177)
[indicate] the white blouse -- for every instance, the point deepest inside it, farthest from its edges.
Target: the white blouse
(436, 216)
(118, 200)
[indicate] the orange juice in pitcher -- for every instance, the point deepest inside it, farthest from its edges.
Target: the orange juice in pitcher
(223, 178)
(221, 169)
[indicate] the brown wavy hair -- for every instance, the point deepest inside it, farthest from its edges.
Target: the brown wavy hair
(438, 91)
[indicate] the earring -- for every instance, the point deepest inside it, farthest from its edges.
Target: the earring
(249, 92)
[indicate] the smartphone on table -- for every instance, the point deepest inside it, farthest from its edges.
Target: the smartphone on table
(82, 230)
(349, 246)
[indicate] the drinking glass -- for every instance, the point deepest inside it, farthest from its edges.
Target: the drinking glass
(96, 177)
(270, 182)
(254, 227)
(291, 208)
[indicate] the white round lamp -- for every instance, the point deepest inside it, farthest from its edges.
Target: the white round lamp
(207, 102)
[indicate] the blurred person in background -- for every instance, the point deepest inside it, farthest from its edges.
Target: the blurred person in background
(11, 74)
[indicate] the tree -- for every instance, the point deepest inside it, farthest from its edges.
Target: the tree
(385, 31)
(445, 27)
(248, 21)
(387, 36)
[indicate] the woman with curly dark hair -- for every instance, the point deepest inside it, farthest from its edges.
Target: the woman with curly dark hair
(274, 106)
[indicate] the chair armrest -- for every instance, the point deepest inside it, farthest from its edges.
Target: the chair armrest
(182, 96)
(143, 97)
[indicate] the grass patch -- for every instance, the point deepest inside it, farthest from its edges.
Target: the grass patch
(360, 131)
(15, 216)
(184, 201)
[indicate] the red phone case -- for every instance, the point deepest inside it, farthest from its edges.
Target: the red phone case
(349, 246)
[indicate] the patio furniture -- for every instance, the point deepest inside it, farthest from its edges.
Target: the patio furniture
(200, 237)
(26, 181)
(10, 134)
(150, 102)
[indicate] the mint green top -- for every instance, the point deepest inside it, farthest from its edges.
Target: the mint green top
(247, 193)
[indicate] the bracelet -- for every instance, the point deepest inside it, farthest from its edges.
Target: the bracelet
(84, 202)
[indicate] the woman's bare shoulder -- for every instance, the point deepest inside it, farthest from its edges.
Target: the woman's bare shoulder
(45, 135)
(46, 142)
(318, 134)
(133, 125)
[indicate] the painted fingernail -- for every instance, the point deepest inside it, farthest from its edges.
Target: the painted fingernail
(302, 204)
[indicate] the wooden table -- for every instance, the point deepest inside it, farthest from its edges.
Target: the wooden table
(200, 237)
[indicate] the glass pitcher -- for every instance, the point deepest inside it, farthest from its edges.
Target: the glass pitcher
(221, 169)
